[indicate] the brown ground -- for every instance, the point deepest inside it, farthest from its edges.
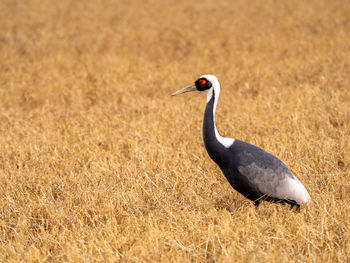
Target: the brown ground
(98, 163)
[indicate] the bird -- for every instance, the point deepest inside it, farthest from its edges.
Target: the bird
(251, 171)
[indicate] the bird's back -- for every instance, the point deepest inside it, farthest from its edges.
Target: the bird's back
(258, 174)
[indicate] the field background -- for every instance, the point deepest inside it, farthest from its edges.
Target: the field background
(98, 163)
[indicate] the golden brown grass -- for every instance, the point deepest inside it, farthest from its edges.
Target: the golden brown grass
(99, 164)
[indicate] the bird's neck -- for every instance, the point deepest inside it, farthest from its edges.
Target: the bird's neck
(215, 144)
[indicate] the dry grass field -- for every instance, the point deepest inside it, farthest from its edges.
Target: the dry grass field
(98, 163)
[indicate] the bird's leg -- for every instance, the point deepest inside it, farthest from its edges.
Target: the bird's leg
(296, 206)
(257, 203)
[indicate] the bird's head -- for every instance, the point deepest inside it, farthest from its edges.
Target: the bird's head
(205, 83)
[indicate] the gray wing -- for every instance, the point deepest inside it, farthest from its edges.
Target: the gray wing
(271, 176)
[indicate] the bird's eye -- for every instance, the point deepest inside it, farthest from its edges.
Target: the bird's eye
(202, 83)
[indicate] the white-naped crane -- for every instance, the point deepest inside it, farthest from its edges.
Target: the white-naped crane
(256, 174)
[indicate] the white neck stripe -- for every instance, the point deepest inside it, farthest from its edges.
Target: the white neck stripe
(226, 142)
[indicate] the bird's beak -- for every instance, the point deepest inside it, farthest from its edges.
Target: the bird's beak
(188, 89)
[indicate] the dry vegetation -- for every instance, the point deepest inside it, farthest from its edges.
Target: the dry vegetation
(99, 163)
